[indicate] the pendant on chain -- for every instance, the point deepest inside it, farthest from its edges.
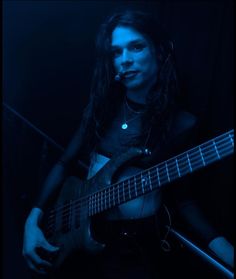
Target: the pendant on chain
(124, 126)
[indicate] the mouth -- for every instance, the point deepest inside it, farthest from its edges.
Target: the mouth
(130, 74)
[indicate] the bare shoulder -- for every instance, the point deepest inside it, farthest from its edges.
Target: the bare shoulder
(183, 121)
(186, 119)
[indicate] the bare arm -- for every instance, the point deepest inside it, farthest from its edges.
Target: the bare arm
(34, 238)
(224, 250)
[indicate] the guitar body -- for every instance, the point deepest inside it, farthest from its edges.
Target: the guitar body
(71, 237)
(69, 226)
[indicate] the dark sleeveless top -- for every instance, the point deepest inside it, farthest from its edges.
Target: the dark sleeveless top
(117, 140)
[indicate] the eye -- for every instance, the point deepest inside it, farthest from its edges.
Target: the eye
(138, 47)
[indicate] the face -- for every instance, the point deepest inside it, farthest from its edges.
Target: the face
(134, 56)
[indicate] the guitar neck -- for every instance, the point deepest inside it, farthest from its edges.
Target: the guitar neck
(161, 174)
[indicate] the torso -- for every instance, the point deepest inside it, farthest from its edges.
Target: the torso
(116, 141)
(141, 207)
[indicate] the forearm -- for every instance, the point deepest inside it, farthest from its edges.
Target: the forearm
(51, 186)
(215, 242)
(34, 217)
(223, 249)
(197, 223)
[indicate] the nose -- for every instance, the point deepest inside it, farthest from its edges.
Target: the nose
(126, 58)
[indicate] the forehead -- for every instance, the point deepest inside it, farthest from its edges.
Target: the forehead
(122, 36)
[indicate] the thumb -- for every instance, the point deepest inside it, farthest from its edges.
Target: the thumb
(50, 248)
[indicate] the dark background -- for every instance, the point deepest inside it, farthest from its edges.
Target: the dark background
(48, 55)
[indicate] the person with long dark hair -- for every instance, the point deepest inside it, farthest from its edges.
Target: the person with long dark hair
(132, 122)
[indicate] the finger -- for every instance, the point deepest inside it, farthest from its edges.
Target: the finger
(37, 261)
(50, 248)
(40, 269)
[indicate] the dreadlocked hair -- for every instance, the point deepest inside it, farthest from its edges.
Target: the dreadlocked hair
(161, 101)
(106, 95)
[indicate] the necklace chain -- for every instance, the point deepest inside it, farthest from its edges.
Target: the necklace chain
(124, 125)
(131, 109)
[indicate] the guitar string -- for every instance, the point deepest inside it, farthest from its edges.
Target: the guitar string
(173, 163)
(104, 197)
(169, 166)
(99, 202)
(83, 214)
(102, 201)
(185, 165)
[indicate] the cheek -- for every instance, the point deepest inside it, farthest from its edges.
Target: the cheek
(151, 62)
(149, 66)
(145, 59)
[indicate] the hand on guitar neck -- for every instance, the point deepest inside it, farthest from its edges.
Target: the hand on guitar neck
(69, 221)
(38, 252)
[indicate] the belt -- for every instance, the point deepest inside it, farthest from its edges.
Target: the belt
(109, 230)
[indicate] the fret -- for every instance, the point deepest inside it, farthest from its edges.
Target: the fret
(189, 163)
(105, 200)
(143, 180)
(98, 202)
(118, 194)
(123, 187)
(196, 159)
(101, 201)
(213, 153)
(202, 156)
(103, 197)
(94, 204)
(221, 144)
(177, 165)
(129, 188)
(100, 194)
(231, 139)
(221, 147)
(114, 201)
(183, 164)
(150, 182)
(214, 144)
(172, 169)
(109, 197)
(135, 187)
(158, 177)
(163, 173)
(167, 171)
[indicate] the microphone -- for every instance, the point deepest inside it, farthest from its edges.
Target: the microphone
(118, 76)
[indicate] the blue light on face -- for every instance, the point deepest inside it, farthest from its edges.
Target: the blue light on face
(134, 56)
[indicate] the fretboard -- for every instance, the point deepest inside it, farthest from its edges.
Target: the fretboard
(162, 174)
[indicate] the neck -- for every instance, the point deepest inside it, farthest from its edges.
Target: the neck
(138, 95)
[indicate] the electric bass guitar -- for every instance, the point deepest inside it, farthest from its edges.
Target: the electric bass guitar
(68, 223)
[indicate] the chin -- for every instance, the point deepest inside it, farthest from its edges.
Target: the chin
(133, 85)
